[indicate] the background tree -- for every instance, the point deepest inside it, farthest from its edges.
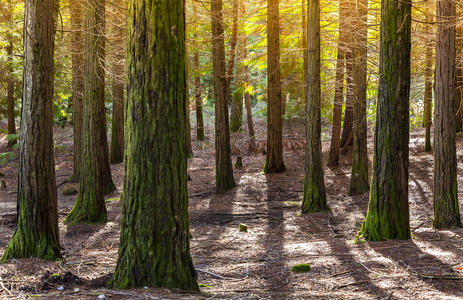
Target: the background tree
(388, 210)
(10, 93)
(359, 183)
(154, 249)
(36, 231)
(428, 89)
(274, 154)
(314, 198)
(95, 179)
(223, 168)
(198, 95)
(446, 210)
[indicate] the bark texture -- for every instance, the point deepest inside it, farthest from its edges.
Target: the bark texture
(388, 210)
(198, 97)
(36, 231)
(223, 168)
(446, 209)
(77, 40)
(274, 156)
(154, 249)
(95, 178)
(10, 95)
(428, 91)
(359, 183)
(314, 198)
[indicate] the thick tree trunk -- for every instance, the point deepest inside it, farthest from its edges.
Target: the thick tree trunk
(428, 91)
(77, 82)
(314, 198)
(274, 156)
(95, 178)
(36, 231)
(446, 210)
(224, 169)
(388, 210)
(333, 157)
(359, 183)
(154, 249)
(10, 95)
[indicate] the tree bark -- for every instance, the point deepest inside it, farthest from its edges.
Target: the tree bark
(224, 169)
(77, 82)
(10, 95)
(274, 155)
(304, 43)
(314, 198)
(95, 178)
(347, 126)
(428, 90)
(459, 78)
(359, 183)
(446, 209)
(388, 210)
(198, 97)
(154, 249)
(36, 231)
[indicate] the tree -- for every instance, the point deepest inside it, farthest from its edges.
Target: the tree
(95, 178)
(314, 198)
(223, 165)
(274, 154)
(446, 209)
(236, 118)
(198, 97)
(154, 247)
(10, 94)
(359, 183)
(428, 91)
(36, 231)
(388, 210)
(77, 42)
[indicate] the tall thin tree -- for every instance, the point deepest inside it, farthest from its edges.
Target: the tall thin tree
(36, 231)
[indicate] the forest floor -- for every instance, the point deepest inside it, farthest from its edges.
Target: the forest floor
(254, 264)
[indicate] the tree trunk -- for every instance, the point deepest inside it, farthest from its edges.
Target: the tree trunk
(333, 157)
(274, 155)
(347, 126)
(236, 119)
(388, 210)
(36, 231)
(189, 148)
(198, 97)
(446, 210)
(459, 78)
(359, 183)
(95, 178)
(428, 90)
(224, 169)
(304, 43)
(10, 95)
(314, 198)
(77, 82)
(154, 250)
(233, 42)
(247, 96)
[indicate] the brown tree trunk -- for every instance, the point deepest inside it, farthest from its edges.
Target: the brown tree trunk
(388, 214)
(359, 183)
(36, 231)
(446, 209)
(77, 82)
(347, 126)
(198, 97)
(95, 179)
(233, 42)
(304, 43)
(154, 248)
(428, 90)
(314, 197)
(274, 155)
(459, 78)
(10, 96)
(333, 157)
(189, 148)
(224, 169)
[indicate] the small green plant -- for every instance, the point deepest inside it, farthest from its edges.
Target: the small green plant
(301, 268)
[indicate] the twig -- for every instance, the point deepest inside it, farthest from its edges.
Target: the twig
(379, 274)
(349, 284)
(3, 287)
(345, 272)
(210, 273)
(419, 225)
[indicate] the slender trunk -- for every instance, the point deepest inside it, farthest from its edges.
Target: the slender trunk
(247, 96)
(189, 148)
(359, 183)
(10, 95)
(446, 209)
(388, 214)
(428, 90)
(224, 169)
(459, 78)
(36, 233)
(233, 42)
(274, 156)
(304, 43)
(198, 97)
(314, 198)
(347, 132)
(117, 128)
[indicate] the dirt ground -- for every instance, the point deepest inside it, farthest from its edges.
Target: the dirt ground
(256, 264)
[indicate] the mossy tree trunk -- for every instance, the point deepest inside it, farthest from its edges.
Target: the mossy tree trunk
(359, 183)
(274, 155)
(77, 82)
(459, 78)
(236, 119)
(154, 249)
(95, 178)
(118, 82)
(10, 93)
(314, 198)
(333, 157)
(446, 209)
(428, 89)
(36, 231)
(223, 164)
(388, 210)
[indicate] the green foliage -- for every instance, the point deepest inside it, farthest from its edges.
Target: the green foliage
(301, 268)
